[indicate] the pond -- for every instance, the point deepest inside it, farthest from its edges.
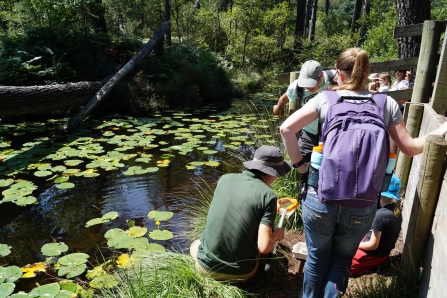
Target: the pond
(53, 183)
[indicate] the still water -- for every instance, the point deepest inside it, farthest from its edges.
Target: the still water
(123, 164)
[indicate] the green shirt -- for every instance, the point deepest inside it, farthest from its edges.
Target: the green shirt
(229, 242)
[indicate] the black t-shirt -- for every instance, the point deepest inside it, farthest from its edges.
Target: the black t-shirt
(388, 220)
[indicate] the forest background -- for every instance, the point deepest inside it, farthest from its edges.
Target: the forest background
(215, 50)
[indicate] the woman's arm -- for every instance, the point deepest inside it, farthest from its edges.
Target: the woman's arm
(407, 145)
(291, 126)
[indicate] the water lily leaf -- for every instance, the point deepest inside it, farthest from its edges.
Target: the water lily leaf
(49, 290)
(53, 249)
(59, 168)
(44, 167)
(61, 179)
(121, 241)
(136, 232)
(110, 215)
(112, 233)
(68, 286)
(23, 201)
(104, 281)
(151, 248)
(143, 159)
(190, 167)
(161, 235)
(71, 171)
(6, 182)
(63, 294)
(125, 261)
(210, 151)
(212, 163)
(196, 163)
(152, 169)
(65, 185)
(30, 270)
(10, 274)
(94, 221)
(74, 258)
(6, 289)
(160, 215)
(42, 173)
(20, 295)
(73, 162)
(72, 270)
(5, 250)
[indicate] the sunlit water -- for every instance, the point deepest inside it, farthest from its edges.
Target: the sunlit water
(61, 214)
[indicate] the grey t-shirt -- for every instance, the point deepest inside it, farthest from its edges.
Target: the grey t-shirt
(392, 113)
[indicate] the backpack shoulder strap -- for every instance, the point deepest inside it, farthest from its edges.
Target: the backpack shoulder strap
(331, 97)
(380, 100)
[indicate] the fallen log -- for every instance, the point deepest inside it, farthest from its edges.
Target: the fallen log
(102, 93)
(18, 100)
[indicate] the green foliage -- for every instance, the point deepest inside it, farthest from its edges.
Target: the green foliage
(380, 43)
(326, 49)
(439, 10)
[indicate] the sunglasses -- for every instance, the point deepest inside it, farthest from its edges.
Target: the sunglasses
(400, 71)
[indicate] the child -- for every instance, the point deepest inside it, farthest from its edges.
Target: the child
(384, 81)
(380, 240)
(374, 85)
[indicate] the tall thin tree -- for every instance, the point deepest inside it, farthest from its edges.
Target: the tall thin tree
(356, 15)
(313, 21)
(308, 16)
(365, 14)
(168, 18)
(299, 23)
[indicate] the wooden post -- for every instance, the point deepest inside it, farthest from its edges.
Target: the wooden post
(424, 205)
(102, 93)
(439, 99)
(292, 105)
(403, 165)
(426, 70)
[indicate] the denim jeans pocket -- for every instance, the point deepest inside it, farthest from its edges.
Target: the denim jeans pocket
(360, 225)
(313, 218)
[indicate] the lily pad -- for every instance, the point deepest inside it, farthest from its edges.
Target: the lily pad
(42, 173)
(21, 295)
(53, 249)
(5, 249)
(136, 232)
(6, 182)
(212, 163)
(74, 258)
(10, 274)
(49, 290)
(94, 221)
(64, 294)
(151, 248)
(160, 215)
(6, 289)
(110, 215)
(161, 235)
(65, 185)
(68, 286)
(61, 179)
(72, 270)
(210, 151)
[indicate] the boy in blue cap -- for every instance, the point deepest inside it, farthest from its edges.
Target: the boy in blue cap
(381, 239)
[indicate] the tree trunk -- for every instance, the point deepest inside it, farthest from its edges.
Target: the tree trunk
(299, 24)
(411, 12)
(366, 9)
(16, 100)
(326, 7)
(167, 19)
(308, 15)
(98, 20)
(356, 15)
(108, 87)
(313, 21)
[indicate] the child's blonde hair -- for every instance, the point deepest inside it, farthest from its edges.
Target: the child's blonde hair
(386, 76)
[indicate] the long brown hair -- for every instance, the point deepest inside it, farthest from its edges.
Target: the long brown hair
(354, 63)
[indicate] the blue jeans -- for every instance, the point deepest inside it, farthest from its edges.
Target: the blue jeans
(333, 234)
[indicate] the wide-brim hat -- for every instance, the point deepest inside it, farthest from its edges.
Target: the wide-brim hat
(269, 160)
(393, 188)
(373, 76)
(309, 74)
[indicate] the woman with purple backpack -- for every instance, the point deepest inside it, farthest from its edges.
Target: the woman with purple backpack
(356, 127)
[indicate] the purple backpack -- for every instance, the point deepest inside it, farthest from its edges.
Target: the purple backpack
(356, 149)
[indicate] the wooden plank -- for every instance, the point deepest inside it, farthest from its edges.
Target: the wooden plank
(426, 70)
(413, 30)
(430, 121)
(283, 78)
(401, 94)
(392, 65)
(439, 98)
(409, 30)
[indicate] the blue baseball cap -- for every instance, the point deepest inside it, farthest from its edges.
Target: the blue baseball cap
(393, 188)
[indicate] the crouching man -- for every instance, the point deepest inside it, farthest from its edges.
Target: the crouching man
(240, 221)
(381, 239)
